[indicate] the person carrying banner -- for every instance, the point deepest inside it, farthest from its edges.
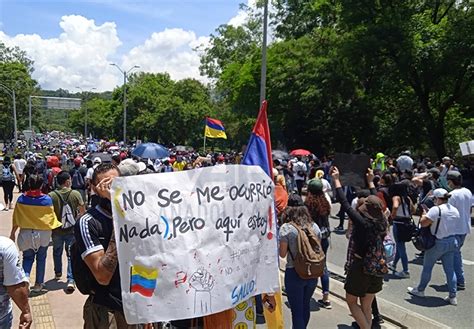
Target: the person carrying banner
(363, 279)
(94, 233)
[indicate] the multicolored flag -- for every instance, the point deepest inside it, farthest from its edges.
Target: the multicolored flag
(259, 148)
(143, 280)
(214, 129)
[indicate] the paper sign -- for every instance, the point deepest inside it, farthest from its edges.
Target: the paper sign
(353, 168)
(193, 243)
(467, 148)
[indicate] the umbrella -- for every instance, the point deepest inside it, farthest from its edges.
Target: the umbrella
(105, 157)
(301, 152)
(279, 154)
(151, 151)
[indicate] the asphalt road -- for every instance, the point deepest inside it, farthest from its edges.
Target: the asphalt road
(395, 289)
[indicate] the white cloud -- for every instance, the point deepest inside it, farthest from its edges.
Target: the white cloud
(78, 57)
(169, 51)
(82, 54)
(242, 16)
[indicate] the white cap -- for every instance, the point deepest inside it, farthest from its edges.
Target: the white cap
(441, 193)
(97, 160)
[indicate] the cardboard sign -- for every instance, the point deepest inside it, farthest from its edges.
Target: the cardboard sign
(193, 243)
(353, 168)
(467, 148)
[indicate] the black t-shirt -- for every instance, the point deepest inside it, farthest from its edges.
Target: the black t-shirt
(94, 233)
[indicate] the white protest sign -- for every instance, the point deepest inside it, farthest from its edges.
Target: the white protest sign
(193, 243)
(467, 148)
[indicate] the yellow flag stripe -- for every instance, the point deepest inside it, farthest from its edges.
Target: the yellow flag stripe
(148, 273)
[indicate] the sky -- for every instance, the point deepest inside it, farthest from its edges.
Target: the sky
(73, 42)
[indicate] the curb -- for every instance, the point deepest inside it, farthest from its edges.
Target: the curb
(390, 312)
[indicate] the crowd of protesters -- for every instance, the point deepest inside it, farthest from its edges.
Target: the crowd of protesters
(306, 189)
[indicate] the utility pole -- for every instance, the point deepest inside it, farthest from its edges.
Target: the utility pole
(263, 77)
(125, 74)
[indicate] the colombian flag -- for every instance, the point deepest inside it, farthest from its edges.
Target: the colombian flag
(143, 280)
(214, 129)
(35, 213)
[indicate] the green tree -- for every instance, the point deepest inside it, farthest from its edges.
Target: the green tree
(15, 74)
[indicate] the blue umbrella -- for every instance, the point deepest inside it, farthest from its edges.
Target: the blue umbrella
(151, 151)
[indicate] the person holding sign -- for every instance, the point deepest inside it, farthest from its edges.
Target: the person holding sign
(365, 271)
(94, 234)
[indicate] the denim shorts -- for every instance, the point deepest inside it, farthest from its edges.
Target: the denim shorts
(7, 321)
(358, 283)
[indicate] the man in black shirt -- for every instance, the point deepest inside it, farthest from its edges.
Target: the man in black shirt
(94, 234)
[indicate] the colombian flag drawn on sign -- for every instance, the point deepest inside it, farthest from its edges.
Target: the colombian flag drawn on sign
(143, 280)
(214, 129)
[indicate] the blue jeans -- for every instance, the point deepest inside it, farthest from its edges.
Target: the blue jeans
(401, 252)
(444, 249)
(325, 277)
(58, 242)
(7, 321)
(29, 258)
(299, 292)
(458, 268)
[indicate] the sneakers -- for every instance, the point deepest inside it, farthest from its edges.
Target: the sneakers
(415, 292)
(37, 287)
(402, 275)
(339, 229)
(57, 276)
(392, 267)
(71, 286)
(451, 300)
(325, 304)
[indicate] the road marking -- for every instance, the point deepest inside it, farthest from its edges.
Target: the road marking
(467, 262)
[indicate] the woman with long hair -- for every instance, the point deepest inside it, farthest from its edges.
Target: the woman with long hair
(319, 208)
(298, 290)
(369, 230)
(402, 208)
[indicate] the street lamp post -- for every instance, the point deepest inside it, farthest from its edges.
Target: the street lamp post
(125, 74)
(85, 108)
(263, 77)
(11, 92)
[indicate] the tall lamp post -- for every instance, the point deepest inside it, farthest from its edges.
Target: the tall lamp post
(11, 93)
(85, 98)
(263, 76)
(125, 75)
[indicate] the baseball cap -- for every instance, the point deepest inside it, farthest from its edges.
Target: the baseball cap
(453, 175)
(446, 158)
(97, 160)
(315, 185)
(441, 193)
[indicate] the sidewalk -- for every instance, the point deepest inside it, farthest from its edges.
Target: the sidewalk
(56, 309)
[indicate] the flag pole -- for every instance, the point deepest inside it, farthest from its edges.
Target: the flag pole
(205, 123)
(263, 77)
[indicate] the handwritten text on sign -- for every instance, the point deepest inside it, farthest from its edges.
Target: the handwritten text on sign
(193, 243)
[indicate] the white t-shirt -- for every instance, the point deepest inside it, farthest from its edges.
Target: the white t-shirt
(299, 166)
(89, 173)
(19, 165)
(450, 222)
(11, 273)
(461, 198)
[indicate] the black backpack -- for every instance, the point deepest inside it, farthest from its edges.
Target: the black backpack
(77, 179)
(83, 277)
